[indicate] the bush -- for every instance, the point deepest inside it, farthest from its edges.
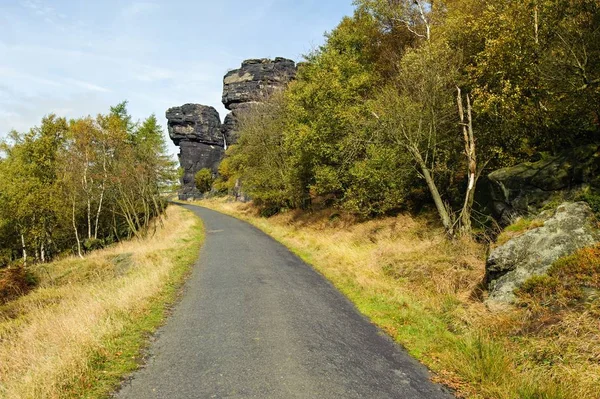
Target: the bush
(91, 244)
(14, 282)
(592, 197)
(204, 180)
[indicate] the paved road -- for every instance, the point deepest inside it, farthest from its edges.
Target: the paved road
(257, 322)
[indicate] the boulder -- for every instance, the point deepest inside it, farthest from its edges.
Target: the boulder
(255, 80)
(571, 227)
(526, 188)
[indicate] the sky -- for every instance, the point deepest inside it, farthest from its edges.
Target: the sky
(78, 57)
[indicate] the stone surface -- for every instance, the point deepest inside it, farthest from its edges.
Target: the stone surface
(193, 157)
(570, 228)
(251, 84)
(255, 80)
(195, 123)
(196, 129)
(525, 188)
(231, 123)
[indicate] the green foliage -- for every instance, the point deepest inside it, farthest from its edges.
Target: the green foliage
(372, 116)
(380, 183)
(79, 184)
(592, 197)
(204, 180)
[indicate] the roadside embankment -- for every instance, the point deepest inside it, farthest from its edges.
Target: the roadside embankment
(85, 325)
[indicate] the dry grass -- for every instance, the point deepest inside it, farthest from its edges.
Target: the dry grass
(425, 292)
(89, 316)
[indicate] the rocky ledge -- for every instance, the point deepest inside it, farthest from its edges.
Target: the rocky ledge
(524, 189)
(252, 83)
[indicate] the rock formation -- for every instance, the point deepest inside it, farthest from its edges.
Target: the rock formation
(196, 129)
(571, 227)
(251, 84)
(525, 188)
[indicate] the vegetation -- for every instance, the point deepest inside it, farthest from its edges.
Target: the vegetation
(409, 102)
(204, 180)
(78, 185)
(83, 328)
(424, 291)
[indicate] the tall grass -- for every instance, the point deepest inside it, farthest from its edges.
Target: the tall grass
(425, 292)
(82, 329)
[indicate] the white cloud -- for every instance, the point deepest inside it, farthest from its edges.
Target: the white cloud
(14, 74)
(41, 9)
(87, 85)
(139, 7)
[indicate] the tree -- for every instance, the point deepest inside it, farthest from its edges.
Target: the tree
(415, 113)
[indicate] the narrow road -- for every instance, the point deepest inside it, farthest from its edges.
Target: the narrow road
(257, 322)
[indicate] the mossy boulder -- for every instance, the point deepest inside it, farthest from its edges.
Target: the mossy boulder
(525, 189)
(571, 227)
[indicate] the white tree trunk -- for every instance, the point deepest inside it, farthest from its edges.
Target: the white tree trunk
(24, 250)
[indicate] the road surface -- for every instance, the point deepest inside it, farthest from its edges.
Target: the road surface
(257, 322)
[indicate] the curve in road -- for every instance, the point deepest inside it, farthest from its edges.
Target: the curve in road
(257, 322)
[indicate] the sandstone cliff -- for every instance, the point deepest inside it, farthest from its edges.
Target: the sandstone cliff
(197, 129)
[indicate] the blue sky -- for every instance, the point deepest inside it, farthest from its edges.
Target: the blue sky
(77, 58)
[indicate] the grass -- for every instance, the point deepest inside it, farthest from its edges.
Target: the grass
(425, 292)
(85, 326)
(519, 227)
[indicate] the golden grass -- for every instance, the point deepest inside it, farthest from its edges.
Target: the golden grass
(55, 340)
(425, 292)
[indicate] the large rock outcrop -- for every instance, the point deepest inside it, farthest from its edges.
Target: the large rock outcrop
(196, 129)
(252, 83)
(525, 188)
(571, 227)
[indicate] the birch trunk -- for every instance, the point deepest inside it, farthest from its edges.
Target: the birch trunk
(76, 232)
(469, 139)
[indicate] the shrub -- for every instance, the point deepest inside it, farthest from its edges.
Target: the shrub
(14, 282)
(204, 180)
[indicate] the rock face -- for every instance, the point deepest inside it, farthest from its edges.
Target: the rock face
(250, 84)
(231, 122)
(194, 123)
(196, 129)
(255, 80)
(570, 228)
(525, 188)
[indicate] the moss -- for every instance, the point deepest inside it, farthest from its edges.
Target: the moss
(521, 226)
(592, 197)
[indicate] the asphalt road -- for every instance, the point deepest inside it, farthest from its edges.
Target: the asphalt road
(257, 322)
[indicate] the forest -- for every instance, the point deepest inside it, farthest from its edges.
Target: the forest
(410, 102)
(71, 186)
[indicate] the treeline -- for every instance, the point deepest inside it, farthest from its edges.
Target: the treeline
(80, 184)
(409, 102)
